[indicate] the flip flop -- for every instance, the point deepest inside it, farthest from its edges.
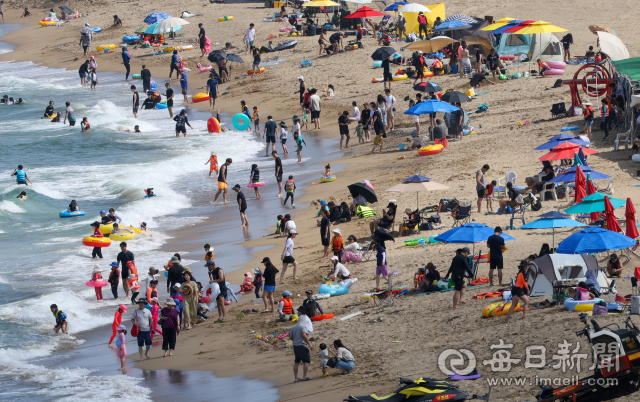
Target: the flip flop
(306, 379)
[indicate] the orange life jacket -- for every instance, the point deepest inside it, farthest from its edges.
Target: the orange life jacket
(133, 283)
(543, 64)
(605, 111)
(287, 308)
(214, 163)
(338, 244)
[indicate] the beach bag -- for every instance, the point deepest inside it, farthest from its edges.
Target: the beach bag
(426, 226)
(434, 219)
(134, 331)
(600, 310)
(536, 206)
(443, 284)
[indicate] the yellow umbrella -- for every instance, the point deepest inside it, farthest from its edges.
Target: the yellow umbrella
(432, 45)
(498, 24)
(321, 3)
(540, 27)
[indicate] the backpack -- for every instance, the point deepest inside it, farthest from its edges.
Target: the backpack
(536, 206)
(558, 83)
(434, 219)
(289, 186)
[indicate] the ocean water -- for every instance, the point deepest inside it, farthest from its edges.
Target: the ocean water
(43, 259)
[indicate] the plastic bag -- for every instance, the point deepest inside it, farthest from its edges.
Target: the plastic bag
(443, 284)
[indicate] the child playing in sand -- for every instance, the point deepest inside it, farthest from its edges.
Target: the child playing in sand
(256, 120)
(213, 163)
(84, 124)
(257, 282)
(324, 358)
(489, 194)
(255, 178)
(360, 132)
(122, 348)
(247, 285)
(95, 277)
(330, 91)
(299, 141)
(327, 173)
(377, 142)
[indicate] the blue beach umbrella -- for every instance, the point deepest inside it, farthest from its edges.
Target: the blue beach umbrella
(451, 26)
(431, 106)
(153, 29)
(469, 233)
(155, 17)
(553, 223)
(416, 178)
(553, 214)
(562, 136)
(554, 143)
(571, 177)
(396, 6)
(594, 240)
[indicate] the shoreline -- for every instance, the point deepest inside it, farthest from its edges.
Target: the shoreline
(417, 323)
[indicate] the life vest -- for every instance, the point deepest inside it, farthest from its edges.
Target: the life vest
(422, 19)
(60, 316)
(21, 175)
(287, 308)
(133, 283)
(605, 111)
(365, 212)
(588, 111)
(543, 64)
(256, 114)
(256, 175)
(208, 256)
(420, 278)
(214, 163)
(114, 276)
(245, 110)
(338, 244)
(289, 186)
(151, 292)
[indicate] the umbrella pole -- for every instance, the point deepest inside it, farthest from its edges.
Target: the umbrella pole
(418, 201)
(553, 238)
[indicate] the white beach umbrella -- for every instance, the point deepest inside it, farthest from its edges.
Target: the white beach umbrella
(359, 1)
(612, 46)
(170, 23)
(414, 8)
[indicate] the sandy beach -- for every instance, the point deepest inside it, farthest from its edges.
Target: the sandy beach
(403, 340)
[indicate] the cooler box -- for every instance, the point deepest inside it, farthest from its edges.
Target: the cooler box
(635, 304)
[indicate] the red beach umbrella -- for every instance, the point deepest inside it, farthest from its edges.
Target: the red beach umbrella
(590, 190)
(612, 222)
(630, 214)
(518, 27)
(363, 12)
(581, 185)
(566, 150)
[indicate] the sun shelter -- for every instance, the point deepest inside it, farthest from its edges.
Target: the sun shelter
(545, 46)
(550, 268)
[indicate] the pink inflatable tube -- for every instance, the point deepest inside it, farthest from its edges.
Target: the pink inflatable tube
(560, 65)
(204, 69)
(554, 71)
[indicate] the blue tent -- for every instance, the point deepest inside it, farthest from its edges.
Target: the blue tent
(594, 240)
(155, 17)
(431, 106)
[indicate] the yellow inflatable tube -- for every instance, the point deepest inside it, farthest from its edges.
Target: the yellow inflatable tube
(106, 229)
(225, 18)
(103, 47)
(397, 77)
(326, 179)
(46, 23)
(124, 235)
(498, 309)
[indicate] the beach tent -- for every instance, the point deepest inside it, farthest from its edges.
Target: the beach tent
(544, 46)
(555, 267)
(437, 10)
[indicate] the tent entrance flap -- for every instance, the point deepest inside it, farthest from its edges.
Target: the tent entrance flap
(550, 268)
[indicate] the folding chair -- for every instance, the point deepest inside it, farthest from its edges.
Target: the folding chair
(549, 188)
(369, 250)
(558, 110)
(611, 290)
(522, 208)
(463, 214)
(609, 189)
(412, 226)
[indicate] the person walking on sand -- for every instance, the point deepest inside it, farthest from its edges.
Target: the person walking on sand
(269, 276)
(324, 232)
(519, 292)
(222, 181)
(343, 124)
(314, 102)
(496, 244)
(142, 320)
(170, 326)
(85, 38)
(126, 60)
(117, 320)
(249, 37)
(459, 266)
(302, 90)
(202, 40)
(169, 94)
(136, 101)
(269, 133)
(287, 256)
(481, 185)
(301, 346)
(278, 174)
(242, 205)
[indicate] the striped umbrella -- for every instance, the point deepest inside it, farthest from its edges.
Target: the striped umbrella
(462, 18)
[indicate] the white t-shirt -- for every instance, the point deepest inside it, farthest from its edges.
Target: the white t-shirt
(142, 317)
(296, 127)
(353, 247)
(340, 269)
(290, 225)
(344, 354)
(288, 248)
(390, 100)
(315, 102)
(251, 34)
(283, 133)
(306, 321)
(356, 113)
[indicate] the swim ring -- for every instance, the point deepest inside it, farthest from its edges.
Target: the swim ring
(258, 184)
(432, 239)
(428, 73)
(184, 48)
(554, 71)
(569, 128)
(136, 76)
(322, 317)
(225, 18)
(201, 97)
(97, 284)
(46, 23)
(96, 30)
(66, 214)
(240, 122)
(377, 64)
(130, 38)
(169, 49)
(326, 179)
(162, 105)
(414, 242)
(96, 241)
(468, 131)
(333, 290)
(106, 229)
(430, 150)
(103, 47)
(137, 230)
(397, 77)
(561, 65)
(50, 117)
(213, 125)
(123, 236)
(572, 304)
(498, 309)
(505, 57)
(251, 72)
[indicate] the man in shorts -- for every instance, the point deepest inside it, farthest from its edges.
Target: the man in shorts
(390, 102)
(481, 185)
(269, 133)
(242, 205)
(222, 181)
(212, 84)
(314, 104)
(495, 243)
(386, 72)
(459, 266)
(301, 345)
(249, 37)
(169, 95)
(142, 319)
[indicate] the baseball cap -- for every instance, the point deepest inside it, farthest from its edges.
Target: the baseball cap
(286, 293)
(309, 292)
(466, 250)
(334, 258)
(123, 308)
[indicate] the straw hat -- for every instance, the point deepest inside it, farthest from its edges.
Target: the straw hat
(213, 153)
(96, 268)
(337, 230)
(170, 302)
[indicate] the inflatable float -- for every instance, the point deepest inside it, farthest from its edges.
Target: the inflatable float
(204, 69)
(572, 304)
(258, 184)
(322, 317)
(213, 125)
(468, 131)
(560, 65)
(225, 18)
(569, 128)
(430, 150)
(201, 97)
(96, 241)
(432, 239)
(137, 230)
(103, 47)
(240, 122)
(505, 57)
(498, 309)
(106, 229)
(123, 236)
(96, 30)
(136, 76)
(162, 105)
(50, 117)
(67, 214)
(97, 284)
(333, 290)
(553, 71)
(326, 179)
(46, 23)
(415, 242)
(130, 38)
(251, 72)
(397, 77)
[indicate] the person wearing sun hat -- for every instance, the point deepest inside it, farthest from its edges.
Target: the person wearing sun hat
(170, 325)
(337, 243)
(96, 276)
(117, 320)
(122, 347)
(142, 319)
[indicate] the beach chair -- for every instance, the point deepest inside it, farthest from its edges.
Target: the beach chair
(383, 297)
(549, 188)
(518, 213)
(509, 177)
(463, 214)
(412, 226)
(625, 138)
(369, 251)
(610, 290)
(608, 190)
(558, 110)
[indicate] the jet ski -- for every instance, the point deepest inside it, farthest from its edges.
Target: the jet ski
(420, 390)
(186, 14)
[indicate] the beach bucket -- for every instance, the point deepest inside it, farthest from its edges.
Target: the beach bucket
(401, 147)
(469, 92)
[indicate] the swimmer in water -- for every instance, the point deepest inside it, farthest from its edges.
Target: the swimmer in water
(143, 225)
(150, 193)
(22, 196)
(84, 124)
(106, 219)
(73, 206)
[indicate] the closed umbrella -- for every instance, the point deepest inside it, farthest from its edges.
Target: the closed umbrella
(427, 87)
(593, 203)
(594, 240)
(591, 189)
(155, 17)
(365, 191)
(470, 233)
(217, 56)
(630, 215)
(418, 184)
(383, 53)
(455, 96)
(235, 58)
(581, 185)
(583, 157)
(432, 45)
(553, 223)
(612, 221)
(431, 106)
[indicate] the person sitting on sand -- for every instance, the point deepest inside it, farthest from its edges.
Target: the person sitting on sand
(116, 22)
(417, 141)
(283, 16)
(27, 13)
(352, 251)
(417, 277)
(430, 278)
(52, 15)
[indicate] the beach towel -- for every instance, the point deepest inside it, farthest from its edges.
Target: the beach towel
(207, 44)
